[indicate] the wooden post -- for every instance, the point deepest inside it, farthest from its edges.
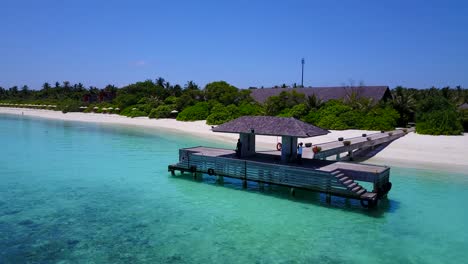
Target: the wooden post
(328, 198)
(221, 180)
(350, 154)
(172, 172)
(261, 186)
(292, 192)
(244, 184)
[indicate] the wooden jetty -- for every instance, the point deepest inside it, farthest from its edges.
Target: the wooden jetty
(335, 178)
(336, 148)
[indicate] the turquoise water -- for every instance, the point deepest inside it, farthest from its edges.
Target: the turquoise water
(85, 193)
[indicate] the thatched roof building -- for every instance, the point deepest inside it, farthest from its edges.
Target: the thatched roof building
(463, 106)
(290, 129)
(376, 93)
(271, 126)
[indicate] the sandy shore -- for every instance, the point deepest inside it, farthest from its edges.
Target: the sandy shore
(448, 153)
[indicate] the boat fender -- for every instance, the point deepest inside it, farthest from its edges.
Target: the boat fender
(278, 146)
(210, 172)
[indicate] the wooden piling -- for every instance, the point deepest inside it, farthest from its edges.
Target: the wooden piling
(292, 192)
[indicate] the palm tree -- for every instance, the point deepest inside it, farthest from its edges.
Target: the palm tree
(405, 104)
(46, 86)
(313, 102)
(191, 86)
(160, 81)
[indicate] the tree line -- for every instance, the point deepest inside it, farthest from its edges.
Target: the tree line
(435, 111)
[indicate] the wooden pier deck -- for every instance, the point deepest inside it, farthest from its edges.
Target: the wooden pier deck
(335, 148)
(330, 177)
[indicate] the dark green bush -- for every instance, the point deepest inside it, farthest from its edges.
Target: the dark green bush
(437, 116)
(440, 122)
(296, 111)
(199, 111)
(69, 106)
(162, 111)
(137, 113)
(133, 111)
(221, 114)
(337, 115)
(464, 114)
(250, 109)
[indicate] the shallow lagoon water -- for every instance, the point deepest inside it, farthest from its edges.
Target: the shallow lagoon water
(75, 192)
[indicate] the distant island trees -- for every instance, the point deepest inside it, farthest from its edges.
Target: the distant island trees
(435, 111)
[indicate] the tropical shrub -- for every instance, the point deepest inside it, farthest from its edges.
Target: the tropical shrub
(296, 111)
(380, 119)
(162, 111)
(437, 116)
(221, 114)
(69, 106)
(250, 109)
(199, 111)
(440, 122)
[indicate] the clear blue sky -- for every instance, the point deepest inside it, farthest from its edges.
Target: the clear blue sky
(246, 43)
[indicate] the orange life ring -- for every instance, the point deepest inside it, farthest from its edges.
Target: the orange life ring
(278, 146)
(315, 149)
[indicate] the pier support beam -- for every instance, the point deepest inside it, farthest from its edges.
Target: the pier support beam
(261, 186)
(292, 192)
(288, 149)
(244, 184)
(248, 144)
(350, 154)
(328, 198)
(220, 180)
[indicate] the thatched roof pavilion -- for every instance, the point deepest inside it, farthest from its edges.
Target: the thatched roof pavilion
(288, 128)
(271, 126)
(376, 93)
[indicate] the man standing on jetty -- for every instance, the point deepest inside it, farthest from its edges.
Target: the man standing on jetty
(299, 153)
(238, 148)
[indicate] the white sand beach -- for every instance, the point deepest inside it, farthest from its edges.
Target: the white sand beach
(447, 153)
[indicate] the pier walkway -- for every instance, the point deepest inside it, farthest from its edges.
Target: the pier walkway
(336, 148)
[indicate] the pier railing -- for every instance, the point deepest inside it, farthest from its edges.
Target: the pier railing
(337, 147)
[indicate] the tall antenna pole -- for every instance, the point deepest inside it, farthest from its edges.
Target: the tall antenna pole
(302, 78)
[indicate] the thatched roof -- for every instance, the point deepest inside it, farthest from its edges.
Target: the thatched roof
(271, 126)
(376, 93)
(463, 106)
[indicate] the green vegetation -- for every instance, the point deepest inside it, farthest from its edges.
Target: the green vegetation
(199, 111)
(339, 115)
(435, 111)
(438, 117)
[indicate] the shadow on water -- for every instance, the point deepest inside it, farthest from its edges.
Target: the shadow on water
(303, 196)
